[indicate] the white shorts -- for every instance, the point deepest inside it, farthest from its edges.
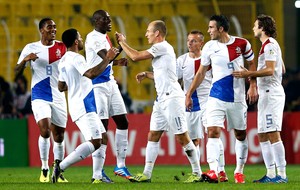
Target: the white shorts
(169, 115)
(109, 101)
(234, 112)
(57, 112)
(195, 124)
(90, 126)
(270, 112)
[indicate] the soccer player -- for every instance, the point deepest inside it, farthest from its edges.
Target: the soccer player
(48, 104)
(74, 77)
(109, 100)
(271, 99)
(168, 110)
(187, 66)
(225, 53)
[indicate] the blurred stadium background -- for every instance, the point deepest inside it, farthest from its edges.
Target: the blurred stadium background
(19, 26)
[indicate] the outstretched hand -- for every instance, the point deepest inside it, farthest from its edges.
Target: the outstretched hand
(111, 53)
(122, 62)
(120, 37)
(243, 73)
(31, 56)
(188, 103)
(140, 76)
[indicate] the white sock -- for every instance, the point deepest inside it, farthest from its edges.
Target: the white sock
(98, 157)
(213, 153)
(121, 146)
(268, 156)
(198, 152)
(241, 151)
(221, 165)
(279, 155)
(59, 150)
(80, 153)
(152, 149)
(44, 146)
(191, 154)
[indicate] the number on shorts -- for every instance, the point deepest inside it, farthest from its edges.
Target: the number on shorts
(269, 119)
(49, 70)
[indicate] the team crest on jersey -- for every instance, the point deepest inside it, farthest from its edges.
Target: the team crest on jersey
(271, 52)
(58, 53)
(238, 50)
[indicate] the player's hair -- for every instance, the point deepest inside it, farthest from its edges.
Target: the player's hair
(43, 22)
(97, 14)
(198, 32)
(69, 36)
(267, 23)
(222, 21)
(161, 27)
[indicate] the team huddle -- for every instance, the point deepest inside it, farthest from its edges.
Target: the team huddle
(211, 73)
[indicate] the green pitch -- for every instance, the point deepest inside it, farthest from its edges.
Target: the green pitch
(163, 178)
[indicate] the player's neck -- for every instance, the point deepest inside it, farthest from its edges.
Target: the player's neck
(46, 42)
(224, 38)
(195, 55)
(74, 49)
(263, 38)
(101, 31)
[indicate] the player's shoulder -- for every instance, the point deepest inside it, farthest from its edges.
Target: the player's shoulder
(182, 57)
(210, 43)
(238, 39)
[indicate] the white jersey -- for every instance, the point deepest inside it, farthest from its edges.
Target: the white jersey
(187, 67)
(45, 70)
(270, 51)
(81, 97)
(164, 71)
(224, 58)
(96, 41)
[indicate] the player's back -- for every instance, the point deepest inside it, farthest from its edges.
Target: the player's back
(81, 98)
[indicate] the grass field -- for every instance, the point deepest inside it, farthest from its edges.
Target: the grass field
(162, 178)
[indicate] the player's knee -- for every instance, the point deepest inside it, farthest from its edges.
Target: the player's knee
(240, 135)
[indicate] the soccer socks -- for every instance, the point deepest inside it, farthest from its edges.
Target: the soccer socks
(44, 146)
(268, 156)
(99, 156)
(121, 139)
(191, 154)
(279, 155)
(151, 155)
(221, 165)
(59, 150)
(198, 152)
(241, 151)
(80, 153)
(213, 153)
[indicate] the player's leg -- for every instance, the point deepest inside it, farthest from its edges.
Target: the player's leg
(215, 117)
(158, 125)
(42, 114)
(195, 130)
(58, 125)
(277, 106)
(91, 128)
(99, 155)
(117, 110)
(174, 112)
(237, 120)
